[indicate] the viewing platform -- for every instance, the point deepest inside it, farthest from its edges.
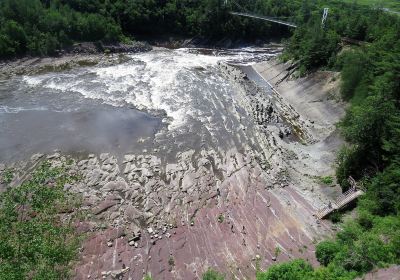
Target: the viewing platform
(352, 194)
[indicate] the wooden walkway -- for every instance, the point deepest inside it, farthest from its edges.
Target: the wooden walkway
(343, 200)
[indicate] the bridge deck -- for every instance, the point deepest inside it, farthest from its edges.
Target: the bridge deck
(340, 202)
(264, 18)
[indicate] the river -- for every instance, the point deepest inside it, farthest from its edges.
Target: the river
(181, 156)
(178, 95)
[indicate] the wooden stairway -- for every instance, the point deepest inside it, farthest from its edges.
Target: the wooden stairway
(344, 199)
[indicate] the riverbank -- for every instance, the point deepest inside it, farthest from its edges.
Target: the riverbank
(315, 97)
(79, 55)
(315, 102)
(228, 185)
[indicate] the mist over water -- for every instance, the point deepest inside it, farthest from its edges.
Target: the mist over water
(112, 108)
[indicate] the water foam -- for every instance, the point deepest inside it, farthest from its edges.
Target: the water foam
(15, 110)
(171, 81)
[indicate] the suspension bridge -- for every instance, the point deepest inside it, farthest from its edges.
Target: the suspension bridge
(270, 19)
(244, 13)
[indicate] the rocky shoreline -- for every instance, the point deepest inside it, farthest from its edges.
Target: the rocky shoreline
(229, 209)
(79, 55)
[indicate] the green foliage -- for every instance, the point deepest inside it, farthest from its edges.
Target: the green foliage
(50, 25)
(297, 269)
(42, 27)
(301, 270)
(171, 261)
(327, 180)
(326, 251)
(370, 80)
(147, 277)
(389, 4)
(211, 274)
(335, 217)
(383, 196)
(35, 242)
(348, 163)
(7, 176)
(277, 251)
(354, 63)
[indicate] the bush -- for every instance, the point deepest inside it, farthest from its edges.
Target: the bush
(35, 241)
(326, 251)
(327, 180)
(211, 274)
(384, 192)
(336, 217)
(348, 163)
(294, 270)
(352, 72)
(13, 39)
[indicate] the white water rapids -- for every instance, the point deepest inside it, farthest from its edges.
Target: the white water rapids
(184, 84)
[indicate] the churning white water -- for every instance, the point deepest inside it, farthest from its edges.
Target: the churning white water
(184, 84)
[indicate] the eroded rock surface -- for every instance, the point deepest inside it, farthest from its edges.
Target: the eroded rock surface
(233, 187)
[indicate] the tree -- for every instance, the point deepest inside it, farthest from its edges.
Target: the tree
(294, 270)
(352, 72)
(326, 251)
(13, 38)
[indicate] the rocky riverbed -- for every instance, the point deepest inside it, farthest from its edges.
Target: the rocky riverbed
(226, 178)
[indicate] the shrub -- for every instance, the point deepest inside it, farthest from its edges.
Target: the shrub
(35, 241)
(327, 180)
(352, 72)
(336, 217)
(326, 251)
(211, 274)
(294, 270)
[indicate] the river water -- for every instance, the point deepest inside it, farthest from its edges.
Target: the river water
(188, 140)
(164, 98)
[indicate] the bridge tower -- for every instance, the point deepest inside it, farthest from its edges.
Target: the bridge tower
(324, 17)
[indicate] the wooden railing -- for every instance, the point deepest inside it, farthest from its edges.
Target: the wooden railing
(353, 193)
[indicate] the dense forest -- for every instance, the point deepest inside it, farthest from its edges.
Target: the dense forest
(41, 27)
(370, 82)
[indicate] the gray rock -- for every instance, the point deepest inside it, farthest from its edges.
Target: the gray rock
(35, 157)
(129, 168)
(67, 187)
(118, 274)
(132, 213)
(83, 162)
(53, 156)
(104, 156)
(129, 158)
(104, 206)
(115, 186)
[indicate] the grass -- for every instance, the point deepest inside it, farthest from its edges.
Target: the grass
(36, 240)
(393, 5)
(8, 176)
(326, 180)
